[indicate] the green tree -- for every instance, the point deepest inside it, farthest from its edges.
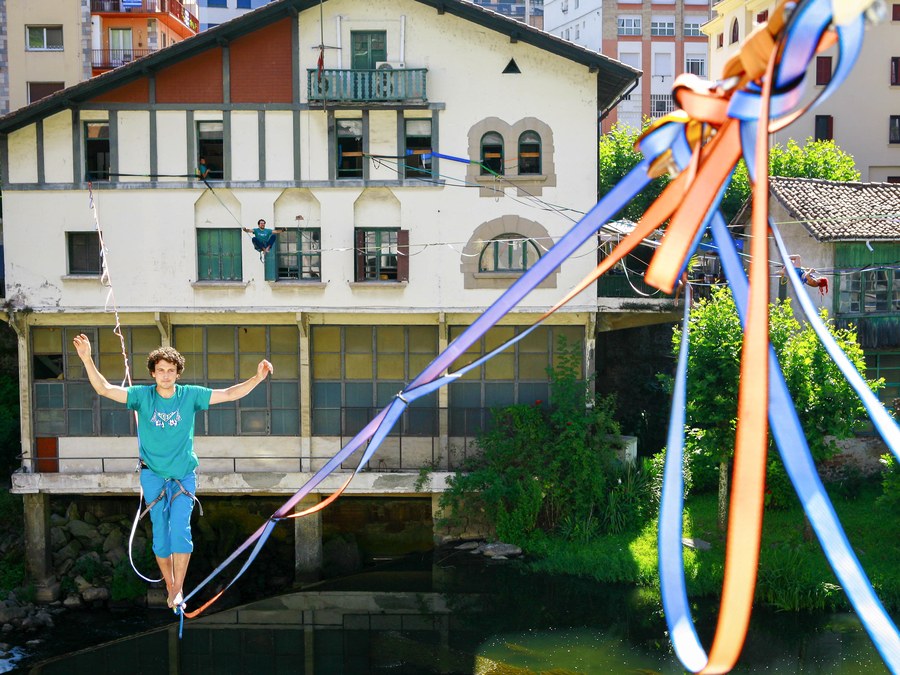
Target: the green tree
(618, 156)
(828, 408)
(816, 159)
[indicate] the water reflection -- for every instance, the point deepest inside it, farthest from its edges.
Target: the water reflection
(455, 618)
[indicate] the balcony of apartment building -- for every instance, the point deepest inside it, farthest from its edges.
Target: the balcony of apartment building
(385, 83)
(172, 13)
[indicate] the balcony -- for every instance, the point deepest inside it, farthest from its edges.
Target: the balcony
(367, 86)
(179, 16)
(104, 59)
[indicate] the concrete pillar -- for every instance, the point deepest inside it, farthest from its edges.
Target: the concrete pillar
(308, 557)
(37, 549)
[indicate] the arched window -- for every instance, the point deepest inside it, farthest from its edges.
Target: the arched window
(735, 32)
(529, 153)
(491, 153)
(508, 253)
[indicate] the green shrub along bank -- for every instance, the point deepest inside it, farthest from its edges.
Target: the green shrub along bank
(548, 479)
(549, 467)
(794, 574)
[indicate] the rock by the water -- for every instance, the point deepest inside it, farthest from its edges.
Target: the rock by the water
(468, 546)
(508, 550)
(93, 594)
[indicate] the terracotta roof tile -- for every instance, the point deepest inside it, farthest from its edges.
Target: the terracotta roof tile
(836, 211)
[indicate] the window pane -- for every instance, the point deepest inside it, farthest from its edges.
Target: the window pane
(247, 365)
(326, 366)
(349, 148)
(501, 367)
(252, 339)
(358, 366)
(222, 421)
(358, 338)
(391, 366)
(84, 252)
(285, 423)
(284, 339)
(210, 146)
(220, 366)
(423, 339)
(287, 366)
(46, 340)
(389, 339)
(286, 395)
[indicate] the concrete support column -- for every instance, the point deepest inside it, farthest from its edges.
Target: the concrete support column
(308, 556)
(37, 549)
(436, 534)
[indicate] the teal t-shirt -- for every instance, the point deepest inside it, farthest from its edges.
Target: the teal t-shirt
(166, 427)
(262, 233)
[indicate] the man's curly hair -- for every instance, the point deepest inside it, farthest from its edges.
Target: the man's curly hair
(169, 354)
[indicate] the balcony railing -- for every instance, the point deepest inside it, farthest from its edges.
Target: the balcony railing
(367, 85)
(172, 7)
(112, 58)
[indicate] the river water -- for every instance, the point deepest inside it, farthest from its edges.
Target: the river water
(445, 614)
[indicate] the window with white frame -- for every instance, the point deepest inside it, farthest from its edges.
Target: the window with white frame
(692, 28)
(662, 27)
(629, 25)
(695, 65)
(44, 38)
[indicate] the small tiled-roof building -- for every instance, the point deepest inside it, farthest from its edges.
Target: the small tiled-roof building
(850, 234)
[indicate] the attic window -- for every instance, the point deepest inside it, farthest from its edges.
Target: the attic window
(511, 68)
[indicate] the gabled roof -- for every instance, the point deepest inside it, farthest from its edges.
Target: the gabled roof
(614, 79)
(835, 211)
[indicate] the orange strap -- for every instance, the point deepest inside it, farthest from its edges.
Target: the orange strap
(748, 485)
(718, 159)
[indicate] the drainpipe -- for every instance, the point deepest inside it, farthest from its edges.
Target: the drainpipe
(340, 52)
(403, 41)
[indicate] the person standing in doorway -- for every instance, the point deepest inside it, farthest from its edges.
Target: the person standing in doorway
(165, 414)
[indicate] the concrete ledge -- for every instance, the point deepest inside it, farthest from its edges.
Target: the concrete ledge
(257, 483)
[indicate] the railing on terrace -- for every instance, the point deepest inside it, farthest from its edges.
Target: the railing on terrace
(661, 105)
(112, 58)
(172, 7)
(367, 85)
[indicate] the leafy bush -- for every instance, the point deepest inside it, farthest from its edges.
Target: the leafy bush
(626, 505)
(125, 584)
(540, 465)
(654, 468)
(890, 483)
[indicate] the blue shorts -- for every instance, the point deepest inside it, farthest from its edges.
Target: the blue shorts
(171, 515)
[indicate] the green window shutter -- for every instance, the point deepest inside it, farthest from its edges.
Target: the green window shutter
(271, 265)
(219, 254)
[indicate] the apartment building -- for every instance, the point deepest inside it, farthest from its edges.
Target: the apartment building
(48, 45)
(862, 116)
(213, 12)
(662, 39)
(410, 198)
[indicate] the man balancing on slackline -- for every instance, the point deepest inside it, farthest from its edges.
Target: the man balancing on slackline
(165, 413)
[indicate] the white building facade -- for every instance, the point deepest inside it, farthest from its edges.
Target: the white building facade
(408, 205)
(862, 116)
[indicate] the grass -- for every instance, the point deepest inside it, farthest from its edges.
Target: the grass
(794, 574)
